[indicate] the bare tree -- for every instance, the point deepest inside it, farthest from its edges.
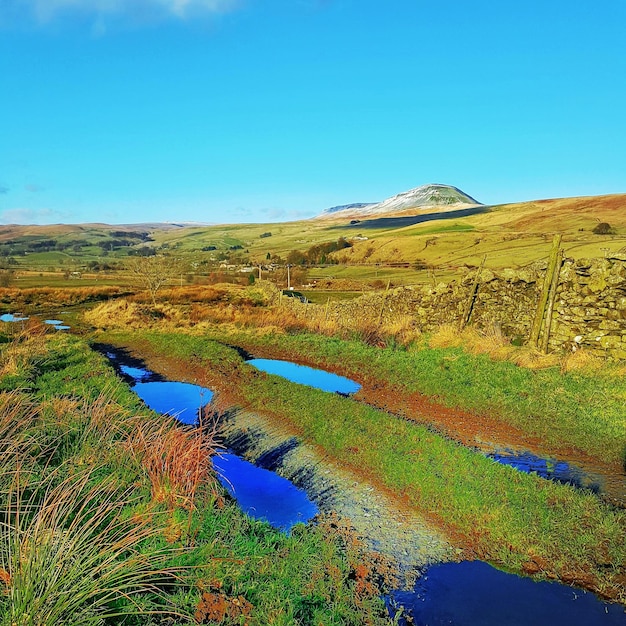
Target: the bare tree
(152, 272)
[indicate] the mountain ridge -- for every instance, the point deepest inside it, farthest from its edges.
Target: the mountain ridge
(432, 195)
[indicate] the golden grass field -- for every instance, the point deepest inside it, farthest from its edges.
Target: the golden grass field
(509, 235)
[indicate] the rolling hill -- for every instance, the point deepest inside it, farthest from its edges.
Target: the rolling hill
(432, 196)
(442, 233)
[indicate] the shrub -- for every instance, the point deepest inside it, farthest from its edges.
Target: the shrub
(603, 228)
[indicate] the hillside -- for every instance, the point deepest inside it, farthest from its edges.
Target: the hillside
(432, 196)
(441, 240)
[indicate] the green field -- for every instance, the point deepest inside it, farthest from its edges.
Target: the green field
(506, 236)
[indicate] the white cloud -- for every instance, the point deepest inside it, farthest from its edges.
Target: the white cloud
(44, 11)
(30, 216)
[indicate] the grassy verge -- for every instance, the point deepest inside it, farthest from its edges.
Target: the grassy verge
(586, 410)
(559, 405)
(111, 515)
(514, 519)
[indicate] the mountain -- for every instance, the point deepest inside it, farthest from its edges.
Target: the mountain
(424, 197)
(345, 207)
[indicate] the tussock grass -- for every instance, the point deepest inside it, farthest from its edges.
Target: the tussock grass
(26, 353)
(71, 556)
(111, 513)
(446, 336)
(490, 341)
(581, 360)
(533, 359)
(176, 461)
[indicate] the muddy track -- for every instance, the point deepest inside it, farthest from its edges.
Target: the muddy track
(381, 519)
(481, 432)
(415, 538)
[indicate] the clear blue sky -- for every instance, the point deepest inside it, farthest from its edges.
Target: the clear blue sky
(271, 110)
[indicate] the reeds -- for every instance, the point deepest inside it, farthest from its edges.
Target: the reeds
(176, 461)
(70, 554)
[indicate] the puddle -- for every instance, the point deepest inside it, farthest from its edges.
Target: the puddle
(53, 322)
(262, 494)
(62, 327)
(9, 317)
(559, 471)
(476, 594)
(304, 375)
(137, 373)
(132, 370)
(180, 400)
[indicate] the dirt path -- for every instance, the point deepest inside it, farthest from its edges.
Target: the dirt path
(381, 519)
(481, 431)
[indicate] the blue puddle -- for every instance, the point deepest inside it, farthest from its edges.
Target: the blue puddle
(263, 494)
(320, 379)
(559, 471)
(473, 593)
(136, 373)
(9, 317)
(183, 401)
(58, 324)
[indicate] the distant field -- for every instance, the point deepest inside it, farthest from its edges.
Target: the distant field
(444, 243)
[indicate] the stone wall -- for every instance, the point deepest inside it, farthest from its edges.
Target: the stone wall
(589, 309)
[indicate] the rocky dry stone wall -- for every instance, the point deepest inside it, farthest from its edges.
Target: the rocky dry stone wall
(589, 307)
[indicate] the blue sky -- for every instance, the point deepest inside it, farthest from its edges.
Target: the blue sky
(125, 111)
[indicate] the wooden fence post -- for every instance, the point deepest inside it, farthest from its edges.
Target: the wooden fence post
(382, 304)
(545, 292)
(553, 287)
(469, 305)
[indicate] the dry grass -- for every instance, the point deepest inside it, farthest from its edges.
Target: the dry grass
(56, 296)
(581, 359)
(175, 460)
(188, 294)
(489, 341)
(532, 358)
(124, 314)
(17, 414)
(26, 350)
(446, 336)
(403, 329)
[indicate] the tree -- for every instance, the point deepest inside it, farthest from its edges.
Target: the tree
(152, 272)
(603, 228)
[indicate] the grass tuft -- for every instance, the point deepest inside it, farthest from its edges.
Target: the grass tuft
(176, 461)
(70, 555)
